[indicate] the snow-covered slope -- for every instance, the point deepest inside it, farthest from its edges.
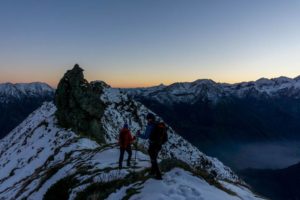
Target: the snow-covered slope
(207, 89)
(38, 154)
(181, 184)
(9, 91)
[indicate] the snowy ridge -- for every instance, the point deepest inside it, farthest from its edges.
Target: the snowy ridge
(38, 153)
(120, 110)
(191, 92)
(19, 90)
(37, 148)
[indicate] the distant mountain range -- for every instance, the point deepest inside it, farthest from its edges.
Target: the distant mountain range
(19, 100)
(219, 116)
(208, 90)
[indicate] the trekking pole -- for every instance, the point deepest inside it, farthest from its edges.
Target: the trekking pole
(136, 147)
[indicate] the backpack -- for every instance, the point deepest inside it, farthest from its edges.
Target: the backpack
(159, 134)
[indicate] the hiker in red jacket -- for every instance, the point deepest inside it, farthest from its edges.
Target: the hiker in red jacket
(125, 141)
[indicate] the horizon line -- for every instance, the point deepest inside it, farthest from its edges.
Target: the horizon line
(153, 85)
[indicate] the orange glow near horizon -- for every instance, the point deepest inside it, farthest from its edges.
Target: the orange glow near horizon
(142, 79)
(136, 84)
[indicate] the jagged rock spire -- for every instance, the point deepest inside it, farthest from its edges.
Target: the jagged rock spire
(78, 105)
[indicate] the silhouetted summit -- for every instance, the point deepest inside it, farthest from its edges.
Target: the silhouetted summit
(78, 105)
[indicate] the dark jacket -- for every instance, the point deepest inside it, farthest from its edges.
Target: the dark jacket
(149, 129)
(152, 133)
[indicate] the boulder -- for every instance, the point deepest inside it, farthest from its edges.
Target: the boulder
(79, 106)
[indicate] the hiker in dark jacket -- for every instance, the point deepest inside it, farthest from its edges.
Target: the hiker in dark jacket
(125, 141)
(154, 144)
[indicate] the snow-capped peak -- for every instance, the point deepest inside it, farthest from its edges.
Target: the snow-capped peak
(264, 81)
(191, 92)
(33, 88)
(282, 80)
(10, 91)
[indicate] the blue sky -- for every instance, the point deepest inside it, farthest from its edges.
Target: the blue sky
(146, 42)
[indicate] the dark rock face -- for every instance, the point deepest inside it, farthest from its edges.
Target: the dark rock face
(79, 106)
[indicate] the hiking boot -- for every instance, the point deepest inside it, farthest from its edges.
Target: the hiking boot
(152, 172)
(158, 177)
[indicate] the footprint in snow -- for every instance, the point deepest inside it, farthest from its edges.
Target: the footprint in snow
(188, 192)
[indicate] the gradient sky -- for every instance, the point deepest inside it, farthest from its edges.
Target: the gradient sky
(147, 42)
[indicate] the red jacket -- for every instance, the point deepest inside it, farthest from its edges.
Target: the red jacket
(125, 138)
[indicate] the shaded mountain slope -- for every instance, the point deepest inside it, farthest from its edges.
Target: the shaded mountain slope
(17, 101)
(280, 184)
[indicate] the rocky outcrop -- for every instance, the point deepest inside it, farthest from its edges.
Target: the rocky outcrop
(79, 106)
